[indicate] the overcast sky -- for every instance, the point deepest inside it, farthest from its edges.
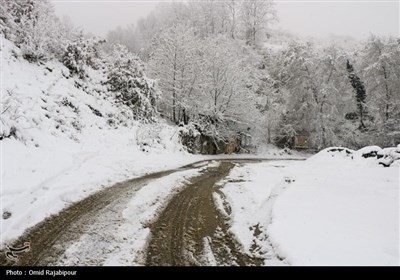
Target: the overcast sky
(356, 18)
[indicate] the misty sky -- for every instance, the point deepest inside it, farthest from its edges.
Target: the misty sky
(356, 18)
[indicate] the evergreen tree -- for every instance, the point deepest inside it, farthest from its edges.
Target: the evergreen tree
(359, 89)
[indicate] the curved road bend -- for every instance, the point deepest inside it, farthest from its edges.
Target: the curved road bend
(185, 233)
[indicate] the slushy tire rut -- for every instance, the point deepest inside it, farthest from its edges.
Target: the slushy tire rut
(191, 231)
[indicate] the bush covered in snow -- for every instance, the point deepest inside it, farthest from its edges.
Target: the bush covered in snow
(374, 154)
(48, 99)
(64, 138)
(370, 151)
(81, 53)
(126, 77)
(388, 156)
(42, 101)
(33, 26)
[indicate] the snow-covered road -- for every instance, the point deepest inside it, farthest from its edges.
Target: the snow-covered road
(327, 210)
(94, 230)
(112, 226)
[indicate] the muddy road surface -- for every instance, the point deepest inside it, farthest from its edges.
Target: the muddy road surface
(50, 238)
(189, 231)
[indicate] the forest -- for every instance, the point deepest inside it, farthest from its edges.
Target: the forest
(220, 69)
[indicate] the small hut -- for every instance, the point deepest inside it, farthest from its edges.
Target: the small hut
(301, 142)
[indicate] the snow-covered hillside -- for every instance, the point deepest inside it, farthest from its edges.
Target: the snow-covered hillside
(64, 138)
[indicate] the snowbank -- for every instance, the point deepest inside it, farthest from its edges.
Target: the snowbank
(336, 208)
(369, 151)
(250, 191)
(337, 153)
(338, 212)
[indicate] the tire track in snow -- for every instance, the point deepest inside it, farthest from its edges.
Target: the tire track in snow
(50, 238)
(191, 231)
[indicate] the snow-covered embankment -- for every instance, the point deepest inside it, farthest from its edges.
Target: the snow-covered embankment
(336, 208)
(64, 138)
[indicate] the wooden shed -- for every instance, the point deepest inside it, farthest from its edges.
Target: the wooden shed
(301, 142)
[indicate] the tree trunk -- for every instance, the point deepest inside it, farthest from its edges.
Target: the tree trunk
(233, 27)
(361, 110)
(387, 95)
(174, 91)
(269, 134)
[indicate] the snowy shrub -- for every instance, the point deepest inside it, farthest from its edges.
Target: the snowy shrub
(65, 102)
(111, 122)
(190, 137)
(157, 136)
(388, 156)
(5, 21)
(9, 115)
(95, 111)
(148, 135)
(285, 136)
(12, 16)
(73, 59)
(370, 154)
(189, 130)
(32, 26)
(334, 151)
(370, 151)
(8, 132)
(126, 77)
(77, 125)
(81, 53)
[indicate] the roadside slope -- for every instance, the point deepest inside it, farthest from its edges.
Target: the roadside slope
(63, 139)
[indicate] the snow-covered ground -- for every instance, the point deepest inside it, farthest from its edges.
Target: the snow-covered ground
(269, 151)
(251, 190)
(39, 182)
(332, 209)
(126, 241)
(64, 139)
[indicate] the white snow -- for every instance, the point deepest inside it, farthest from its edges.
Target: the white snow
(389, 156)
(250, 190)
(338, 212)
(143, 209)
(64, 139)
(335, 208)
(387, 151)
(369, 149)
(272, 152)
(127, 240)
(64, 151)
(208, 255)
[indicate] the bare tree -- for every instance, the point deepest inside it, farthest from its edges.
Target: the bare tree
(255, 17)
(175, 64)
